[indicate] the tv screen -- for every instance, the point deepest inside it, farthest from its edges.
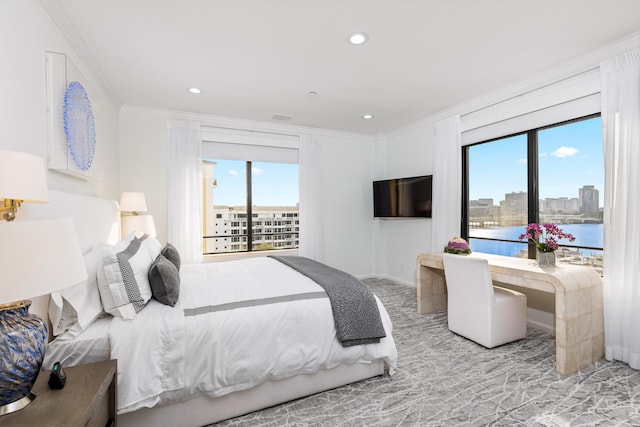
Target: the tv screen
(402, 197)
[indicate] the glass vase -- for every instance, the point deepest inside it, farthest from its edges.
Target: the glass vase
(546, 259)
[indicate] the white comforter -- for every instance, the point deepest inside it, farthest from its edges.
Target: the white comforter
(164, 355)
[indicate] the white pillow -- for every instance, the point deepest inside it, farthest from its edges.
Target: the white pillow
(122, 280)
(73, 309)
(153, 245)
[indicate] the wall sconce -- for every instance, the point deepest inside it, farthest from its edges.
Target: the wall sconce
(22, 179)
(38, 257)
(131, 204)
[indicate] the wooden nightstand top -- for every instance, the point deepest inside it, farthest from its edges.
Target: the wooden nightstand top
(76, 404)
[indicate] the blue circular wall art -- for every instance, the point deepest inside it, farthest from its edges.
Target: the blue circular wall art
(79, 126)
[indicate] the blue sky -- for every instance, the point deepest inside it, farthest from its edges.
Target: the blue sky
(570, 157)
(274, 184)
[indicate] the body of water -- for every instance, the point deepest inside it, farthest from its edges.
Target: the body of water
(586, 235)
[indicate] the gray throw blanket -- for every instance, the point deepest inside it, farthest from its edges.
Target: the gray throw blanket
(355, 311)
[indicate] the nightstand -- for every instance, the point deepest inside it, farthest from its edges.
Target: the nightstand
(89, 398)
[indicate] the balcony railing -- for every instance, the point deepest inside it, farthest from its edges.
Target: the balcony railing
(566, 254)
(257, 240)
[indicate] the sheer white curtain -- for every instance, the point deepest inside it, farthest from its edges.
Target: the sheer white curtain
(184, 192)
(311, 199)
(621, 132)
(447, 182)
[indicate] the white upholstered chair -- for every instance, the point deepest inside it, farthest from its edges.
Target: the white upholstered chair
(477, 310)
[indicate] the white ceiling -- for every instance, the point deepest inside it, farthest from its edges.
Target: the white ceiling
(256, 58)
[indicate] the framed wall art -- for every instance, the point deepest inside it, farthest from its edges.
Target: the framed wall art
(71, 124)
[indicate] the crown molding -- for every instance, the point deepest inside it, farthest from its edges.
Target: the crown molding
(61, 20)
(246, 124)
(569, 69)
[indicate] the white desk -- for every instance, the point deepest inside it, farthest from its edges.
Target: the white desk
(578, 290)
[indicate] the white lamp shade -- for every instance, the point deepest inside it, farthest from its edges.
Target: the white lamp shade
(38, 257)
(141, 224)
(22, 177)
(133, 202)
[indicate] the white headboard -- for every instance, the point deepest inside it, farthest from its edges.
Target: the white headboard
(96, 220)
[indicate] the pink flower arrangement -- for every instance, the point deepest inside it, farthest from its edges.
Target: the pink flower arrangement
(545, 236)
(457, 245)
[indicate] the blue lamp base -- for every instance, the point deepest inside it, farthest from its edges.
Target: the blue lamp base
(23, 340)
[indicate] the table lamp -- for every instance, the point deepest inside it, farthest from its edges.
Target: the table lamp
(38, 257)
(131, 204)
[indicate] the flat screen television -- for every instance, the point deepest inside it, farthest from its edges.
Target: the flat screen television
(403, 197)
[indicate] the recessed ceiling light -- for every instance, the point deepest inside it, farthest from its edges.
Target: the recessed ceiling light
(312, 93)
(194, 90)
(367, 116)
(358, 38)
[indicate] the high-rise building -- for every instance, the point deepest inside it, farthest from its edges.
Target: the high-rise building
(481, 208)
(560, 204)
(589, 200)
(274, 227)
(514, 208)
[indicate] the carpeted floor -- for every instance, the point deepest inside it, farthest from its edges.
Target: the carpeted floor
(443, 379)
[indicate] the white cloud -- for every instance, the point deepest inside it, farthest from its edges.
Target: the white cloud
(523, 160)
(565, 152)
(256, 170)
(233, 172)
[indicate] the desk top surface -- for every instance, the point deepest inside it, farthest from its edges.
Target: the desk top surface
(525, 272)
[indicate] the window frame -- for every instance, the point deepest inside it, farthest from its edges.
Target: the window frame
(248, 225)
(533, 200)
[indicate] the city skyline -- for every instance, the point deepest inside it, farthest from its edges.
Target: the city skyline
(543, 200)
(570, 156)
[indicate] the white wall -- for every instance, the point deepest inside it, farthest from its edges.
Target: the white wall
(349, 160)
(143, 159)
(348, 203)
(26, 33)
(400, 240)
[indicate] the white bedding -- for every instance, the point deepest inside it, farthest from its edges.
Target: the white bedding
(92, 345)
(164, 355)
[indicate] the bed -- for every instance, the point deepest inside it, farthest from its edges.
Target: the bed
(243, 335)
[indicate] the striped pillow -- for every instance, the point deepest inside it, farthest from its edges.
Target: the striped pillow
(122, 280)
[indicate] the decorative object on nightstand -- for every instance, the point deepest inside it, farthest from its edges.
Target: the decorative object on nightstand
(89, 398)
(38, 257)
(57, 377)
(545, 237)
(131, 204)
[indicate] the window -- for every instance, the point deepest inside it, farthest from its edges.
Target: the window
(551, 174)
(237, 190)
